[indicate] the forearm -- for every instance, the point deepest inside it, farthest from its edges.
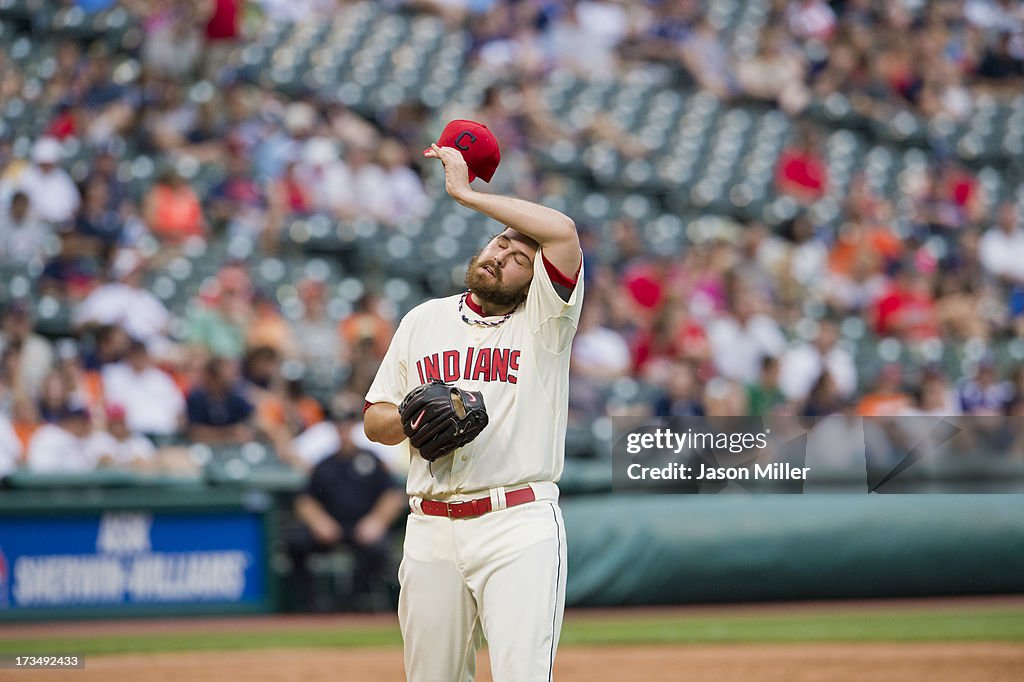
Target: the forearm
(553, 230)
(220, 435)
(383, 424)
(389, 506)
(206, 434)
(310, 512)
(543, 224)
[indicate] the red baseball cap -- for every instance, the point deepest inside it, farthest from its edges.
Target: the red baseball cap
(478, 145)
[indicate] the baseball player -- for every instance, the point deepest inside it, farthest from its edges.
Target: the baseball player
(477, 386)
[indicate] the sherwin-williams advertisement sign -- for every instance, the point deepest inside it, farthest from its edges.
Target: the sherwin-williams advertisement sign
(131, 560)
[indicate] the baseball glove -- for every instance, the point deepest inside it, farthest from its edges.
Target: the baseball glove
(439, 417)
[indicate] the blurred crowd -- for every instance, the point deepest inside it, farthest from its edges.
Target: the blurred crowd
(720, 329)
(934, 57)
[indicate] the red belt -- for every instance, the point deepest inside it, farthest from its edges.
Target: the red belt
(477, 507)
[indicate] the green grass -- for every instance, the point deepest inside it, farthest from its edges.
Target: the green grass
(842, 627)
(960, 625)
(211, 641)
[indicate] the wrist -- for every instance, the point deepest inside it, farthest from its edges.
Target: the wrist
(465, 196)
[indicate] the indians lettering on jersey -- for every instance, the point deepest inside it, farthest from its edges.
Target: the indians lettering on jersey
(471, 364)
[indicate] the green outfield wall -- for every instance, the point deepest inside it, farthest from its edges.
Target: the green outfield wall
(623, 549)
(677, 549)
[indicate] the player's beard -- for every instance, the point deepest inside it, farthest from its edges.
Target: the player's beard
(493, 291)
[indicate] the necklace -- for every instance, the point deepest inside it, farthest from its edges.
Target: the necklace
(482, 323)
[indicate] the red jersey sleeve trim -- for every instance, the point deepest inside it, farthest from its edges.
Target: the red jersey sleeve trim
(367, 406)
(557, 277)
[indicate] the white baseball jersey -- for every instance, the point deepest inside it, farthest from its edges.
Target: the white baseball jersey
(520, 366)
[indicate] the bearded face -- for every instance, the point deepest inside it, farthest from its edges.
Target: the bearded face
(488, 283)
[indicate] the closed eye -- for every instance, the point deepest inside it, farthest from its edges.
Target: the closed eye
(521, 259)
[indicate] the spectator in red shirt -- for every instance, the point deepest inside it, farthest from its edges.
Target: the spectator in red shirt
(64, 123)
(222, 32)
(674, 335)
(908, 310)
(644, 285)
(801, 172)
(961, 188)
(173, 211)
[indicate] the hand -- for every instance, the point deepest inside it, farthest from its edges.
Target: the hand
(369, 530)
(326, 531)
(456, 172)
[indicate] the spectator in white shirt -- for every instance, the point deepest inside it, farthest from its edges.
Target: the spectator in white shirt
(600, 356)
(125, 303)
(1001, 249)
(119, 447)
(66, 446)
(52, 193)
(10, 447)
(406, 196)
(327, 179)
(811, 19)
(35, 352)
(799, 252)
(152, 401)
(803, 363)
(23, 237)
(295, 11)
(599, 353)
(994, 15)
(739, 342)
(578, 40)
(934, 398)
(370, 183)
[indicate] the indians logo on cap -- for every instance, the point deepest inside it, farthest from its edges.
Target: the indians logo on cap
(478, 145)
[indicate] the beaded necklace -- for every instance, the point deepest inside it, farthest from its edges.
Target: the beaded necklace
(482, 323)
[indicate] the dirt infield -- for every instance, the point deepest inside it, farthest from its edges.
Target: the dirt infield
(958, 661)
(981, 662)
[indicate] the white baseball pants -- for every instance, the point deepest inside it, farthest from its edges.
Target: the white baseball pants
(499, 577)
